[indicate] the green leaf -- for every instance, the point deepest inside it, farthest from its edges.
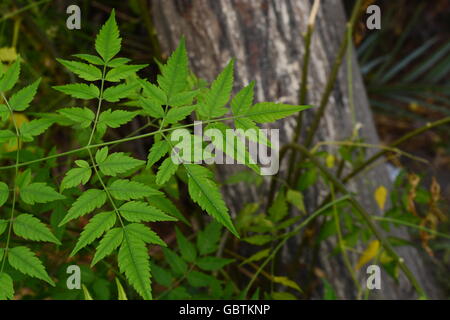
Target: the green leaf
(76, 176)
(208, 239)
(187, 249)
(82, 116)
(107, 43)
(25, 261)
(120, 291)
(144, 233)
(166, 205)
(182, 98)
(118, 162)
(126, 190)
(258, 239)
(123, 72)
(118, 62)
(98, 224)
(157, 151)
(110, 242)
(212, 263)
(175, 262)
(219, 94)
(90, 58)
(34, 128)
(31, 228)
(6, 287)
(22, 98)
(166, 170)
(10, 77)
(4, 192)
(153, 92)
(137, 211)
(39, 192)
(279, 208)
(101, 154)
(87, 202)
(85, 71)
(151, 108)
(179, 113)
(6, 135)
(87, 295)
(205, 192)
(243, 100)
(173, 77)
(3, 226)
(79, 90)
(296, 199)
(114, 94)
(268, 111)
(115, 119)
(161, 276)
(257, 256)
(135, 263)
(199, 279)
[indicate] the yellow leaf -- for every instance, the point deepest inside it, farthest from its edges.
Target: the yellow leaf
(330, 161)
(288, 283)
(368, 254)
(380, 196)
(8, 54)
(19, 119)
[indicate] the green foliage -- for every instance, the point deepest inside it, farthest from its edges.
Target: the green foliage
(108, 198)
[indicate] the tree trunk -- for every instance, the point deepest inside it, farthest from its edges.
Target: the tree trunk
(265, 38)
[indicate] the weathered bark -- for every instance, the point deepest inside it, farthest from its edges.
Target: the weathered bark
(265, 38)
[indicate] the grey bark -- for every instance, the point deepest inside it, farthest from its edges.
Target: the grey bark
(264, 36)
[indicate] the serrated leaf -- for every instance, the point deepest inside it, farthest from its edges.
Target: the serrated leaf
(79, 90)
(108, 42)
(243, 100)
(175, 262)
(212, 263)
(257, 256)
(6, 135)
(10, 77)
(4, 192)
(208, 239)
(199, 279)
(87, 202)
(182, 98)
(173, 77)
(166, 170)
(20, 100)
(101, 154)
(125, 190)
(39, 192)
(31, 228)
(151, 108)
(166, 205)
(83, 70)
(25, 261)
(117, 62)
(34, 128)
(112, 239)
(82, 116)
(218, 95)
(123, 72)
(121, 91)
(98, 224)
(6, 287)
(144, 233)
(76, 176)
(118, 162)
(153, 92)
(187, 249)
(269, 111)
(206, 193)
(90, 58)
(116, 118)
(137, 211)
(134, 261)
(179, 113)
(157, 151)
